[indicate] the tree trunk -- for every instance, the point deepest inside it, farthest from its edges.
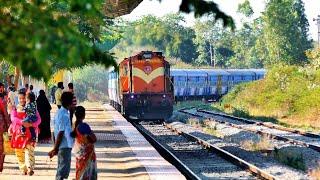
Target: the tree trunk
(16, 77)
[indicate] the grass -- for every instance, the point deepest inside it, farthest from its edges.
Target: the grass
(263, 144)
(294, 160)
(195, 103)
(289, 96)
(212, 131)
(194, 122)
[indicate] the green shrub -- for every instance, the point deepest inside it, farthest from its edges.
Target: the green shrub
(289, 94)
(294, 160)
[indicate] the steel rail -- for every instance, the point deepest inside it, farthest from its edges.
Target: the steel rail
(269, 125)
(170, 157)
(277, 137)
(226, 155)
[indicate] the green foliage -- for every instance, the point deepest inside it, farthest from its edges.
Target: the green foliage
(285, 29)
(164, 34)
(213, 43)
(41, 36)
(188, 104)
(291, 159)
(6, 69)
(90, 83)
(241, 112)
(245, 8)
(289, 94)
(245, 47)
(201, 7)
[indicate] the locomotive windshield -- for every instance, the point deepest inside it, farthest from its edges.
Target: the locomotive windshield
(147, 56)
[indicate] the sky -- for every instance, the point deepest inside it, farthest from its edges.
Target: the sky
(164, 7)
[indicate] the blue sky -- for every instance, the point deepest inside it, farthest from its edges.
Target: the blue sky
(229, 6)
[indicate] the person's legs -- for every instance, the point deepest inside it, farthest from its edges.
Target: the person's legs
(21, 160)
(30, 156)
(64, 162)
(1, 152)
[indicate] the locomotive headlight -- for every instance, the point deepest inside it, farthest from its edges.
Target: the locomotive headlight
(132, 96)
(164, 96)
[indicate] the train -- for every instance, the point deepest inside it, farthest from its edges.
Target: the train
(146, 88)
(142, 88)
(210, 84)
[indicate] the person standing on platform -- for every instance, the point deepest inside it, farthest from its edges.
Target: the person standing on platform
(4, 124)
(86, 163)
(74, 101)
(44, 109)
(64, 141)
(24, 146)
(58, 94)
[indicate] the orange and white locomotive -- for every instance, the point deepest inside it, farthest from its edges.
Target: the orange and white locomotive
(142, 87)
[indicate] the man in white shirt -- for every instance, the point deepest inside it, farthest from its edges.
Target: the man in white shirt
(64, 142)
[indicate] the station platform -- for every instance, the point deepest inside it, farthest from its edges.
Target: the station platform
(122, 152)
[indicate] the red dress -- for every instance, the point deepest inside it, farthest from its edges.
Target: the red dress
(18, 141)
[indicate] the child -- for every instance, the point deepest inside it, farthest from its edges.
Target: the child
(31, 116)
(86, 165)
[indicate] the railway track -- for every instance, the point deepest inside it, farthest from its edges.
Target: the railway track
(291, 136)
(190, 154)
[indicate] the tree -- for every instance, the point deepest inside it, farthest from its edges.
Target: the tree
(285, 32)
(245, 8)
(90, 83)
(165, 34)
(245, 42)
(41, 36)
(210, 37)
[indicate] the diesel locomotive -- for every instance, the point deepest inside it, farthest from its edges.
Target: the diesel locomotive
(142, 87)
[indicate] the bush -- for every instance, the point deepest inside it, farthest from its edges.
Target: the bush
(90, 83)
(294, 160)
(289, 94)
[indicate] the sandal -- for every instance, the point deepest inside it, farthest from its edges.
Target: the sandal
(30, 172)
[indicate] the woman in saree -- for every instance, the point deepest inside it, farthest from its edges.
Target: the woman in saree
(86, 165)
(23, 143)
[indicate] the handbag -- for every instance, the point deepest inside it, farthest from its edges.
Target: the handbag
(7, 149)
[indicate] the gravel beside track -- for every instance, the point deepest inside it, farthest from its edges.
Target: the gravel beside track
(259, 159)
(205, 164)
(311, 157)
(287, 134)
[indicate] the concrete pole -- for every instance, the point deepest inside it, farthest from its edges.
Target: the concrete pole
(318, 24)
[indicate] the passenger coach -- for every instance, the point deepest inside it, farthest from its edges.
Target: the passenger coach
(210, 83)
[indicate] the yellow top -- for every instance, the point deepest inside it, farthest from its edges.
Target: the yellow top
(57, 95)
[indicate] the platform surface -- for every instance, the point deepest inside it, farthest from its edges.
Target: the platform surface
(122, 152)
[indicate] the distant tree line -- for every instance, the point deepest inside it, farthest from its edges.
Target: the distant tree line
(279, 35)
